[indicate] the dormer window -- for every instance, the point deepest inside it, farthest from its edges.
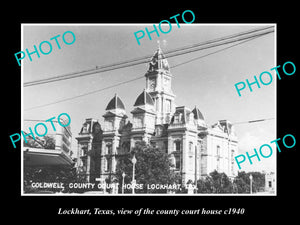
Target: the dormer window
(176, 118)
(85, 128)
(180, 117)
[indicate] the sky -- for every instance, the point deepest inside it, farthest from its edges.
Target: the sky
(207, 83)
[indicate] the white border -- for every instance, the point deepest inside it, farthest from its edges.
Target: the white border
(142, 24)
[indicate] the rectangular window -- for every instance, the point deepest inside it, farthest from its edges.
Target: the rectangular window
(177, 146)
(84, 149)
(218, 158)
(105, 164)
(108, 148)
(191, 163)
(109, 165)
(108, 125)
(176, 118)
(218, 151)
(138, 122)
(178, 162)
(154, 101)
(168, 105)
(190, 147)
(165, 146)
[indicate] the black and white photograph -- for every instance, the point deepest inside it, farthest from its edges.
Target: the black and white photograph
(110, 111)
(150, 112)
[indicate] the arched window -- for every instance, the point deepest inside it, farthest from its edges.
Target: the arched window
(108, 148)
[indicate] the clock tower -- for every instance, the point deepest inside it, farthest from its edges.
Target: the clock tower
(158, 85)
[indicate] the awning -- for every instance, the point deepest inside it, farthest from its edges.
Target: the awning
(46, 157)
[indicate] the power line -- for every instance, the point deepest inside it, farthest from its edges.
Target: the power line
(254, 121)
(172, 53)
(88, 93)
(199, 57)
(222, 38)
(136, 78)
(114, 67)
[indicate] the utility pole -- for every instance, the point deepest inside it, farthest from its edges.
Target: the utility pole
(195, 169)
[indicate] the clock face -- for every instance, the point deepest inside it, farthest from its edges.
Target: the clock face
(152, 84)
(167, 82)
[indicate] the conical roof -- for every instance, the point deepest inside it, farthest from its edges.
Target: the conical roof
(197, 114)
(143, 99)
(115, 103)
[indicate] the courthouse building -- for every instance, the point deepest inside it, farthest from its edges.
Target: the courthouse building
(195, 149)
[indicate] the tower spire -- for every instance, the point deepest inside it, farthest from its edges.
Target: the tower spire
(158, 85)
(158, 61)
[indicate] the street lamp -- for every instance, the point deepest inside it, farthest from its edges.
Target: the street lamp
(133, 172)
(250, 177)
(123, 176)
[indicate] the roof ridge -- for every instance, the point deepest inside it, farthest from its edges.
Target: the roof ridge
(115, 103)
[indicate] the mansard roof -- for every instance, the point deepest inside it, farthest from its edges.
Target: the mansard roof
(184, 113)
(197, 114)
(115, 103)
(143, 99)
